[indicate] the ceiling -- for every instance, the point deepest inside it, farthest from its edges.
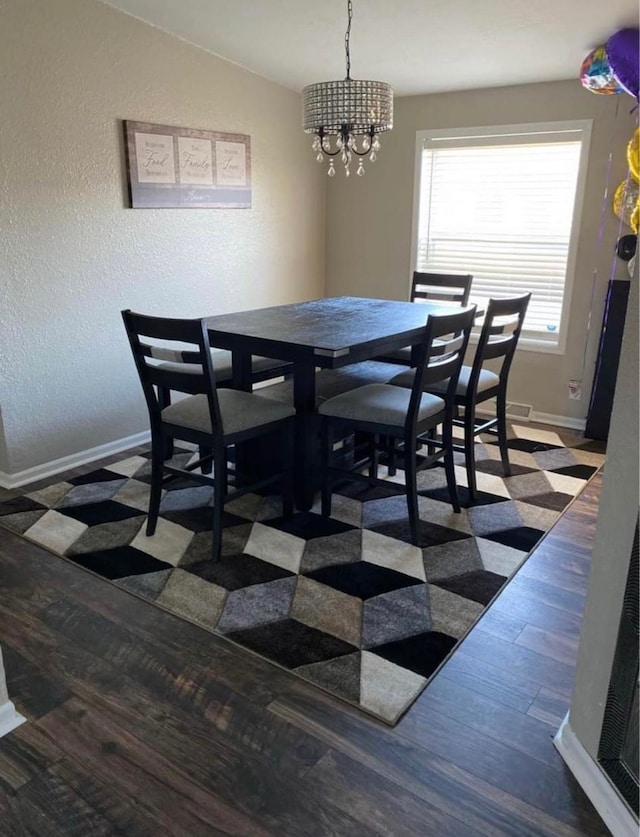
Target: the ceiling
(418, 46)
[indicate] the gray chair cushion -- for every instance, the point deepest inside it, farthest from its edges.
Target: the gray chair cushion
(487, 380)
(331, 382)
(379, 403)
(239, 411)
(222, 364)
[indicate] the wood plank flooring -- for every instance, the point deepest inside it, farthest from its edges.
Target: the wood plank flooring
(143, 724)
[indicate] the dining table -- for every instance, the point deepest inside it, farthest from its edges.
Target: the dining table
(319, 334)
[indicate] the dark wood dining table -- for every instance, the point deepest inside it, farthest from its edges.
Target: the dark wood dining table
(326, 333)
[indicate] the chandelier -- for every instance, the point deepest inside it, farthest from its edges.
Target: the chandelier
(347, 116)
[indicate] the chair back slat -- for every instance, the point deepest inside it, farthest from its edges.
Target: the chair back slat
(441, 355)
(441, 287)
(499, 348)
(166, 368)
(499, 336)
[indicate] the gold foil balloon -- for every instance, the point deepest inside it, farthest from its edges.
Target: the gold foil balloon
(625, 201)
(634, 221)
(633, 154)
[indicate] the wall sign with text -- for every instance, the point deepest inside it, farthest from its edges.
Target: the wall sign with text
(186, 167)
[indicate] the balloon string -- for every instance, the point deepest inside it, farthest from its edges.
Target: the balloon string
(599, 238)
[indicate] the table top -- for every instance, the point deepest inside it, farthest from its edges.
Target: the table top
(329, 328)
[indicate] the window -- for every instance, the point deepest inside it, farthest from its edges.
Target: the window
(504, 204)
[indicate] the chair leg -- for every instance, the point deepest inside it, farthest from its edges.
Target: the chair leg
(287, 475)
(470, 450)
(158, 450)
(373, 460)
(219, 494)
(411, 487)
(449, 466)
(164, 400)
(391, 456)
(207, 467)
(431, 434)
(501, 413)
(327, 457)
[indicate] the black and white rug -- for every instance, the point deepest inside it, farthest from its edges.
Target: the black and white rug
(346, 602)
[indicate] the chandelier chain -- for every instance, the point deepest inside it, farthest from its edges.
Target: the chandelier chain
(347, 36)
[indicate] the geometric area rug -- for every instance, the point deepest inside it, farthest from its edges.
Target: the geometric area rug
(347, 603)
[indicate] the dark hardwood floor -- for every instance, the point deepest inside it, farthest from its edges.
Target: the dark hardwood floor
(143, 724)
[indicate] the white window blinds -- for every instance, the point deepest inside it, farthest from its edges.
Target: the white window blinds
(501, 208)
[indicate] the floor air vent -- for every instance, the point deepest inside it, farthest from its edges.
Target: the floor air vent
(519, 411)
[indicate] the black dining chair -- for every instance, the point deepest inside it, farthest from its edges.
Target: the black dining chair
(400, 420)
(212, 418)
(262, 369)
(498, 340)
(452, 288)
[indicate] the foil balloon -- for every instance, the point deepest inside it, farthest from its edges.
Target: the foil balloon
(634, 221)
(625, 201)
(623, 53)
(633, 155)
(596, 74)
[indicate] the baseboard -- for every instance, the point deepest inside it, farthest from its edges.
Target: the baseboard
(594, 782)
(75, 460)
(9, 718)
(542, 418)
(559, 421)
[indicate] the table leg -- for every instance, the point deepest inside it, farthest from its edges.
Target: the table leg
(307, 448)
(246, 453)
(241, 370)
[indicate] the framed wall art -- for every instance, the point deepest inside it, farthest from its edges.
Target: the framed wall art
(169, 167)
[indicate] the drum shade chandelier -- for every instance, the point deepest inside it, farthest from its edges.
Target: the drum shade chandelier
(347, 116)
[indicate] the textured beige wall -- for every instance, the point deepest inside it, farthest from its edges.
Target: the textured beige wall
(72, 256)
(369, 218)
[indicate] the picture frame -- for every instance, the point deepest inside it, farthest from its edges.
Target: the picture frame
(186, 168)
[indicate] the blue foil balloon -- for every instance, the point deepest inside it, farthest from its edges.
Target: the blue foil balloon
(596, 73)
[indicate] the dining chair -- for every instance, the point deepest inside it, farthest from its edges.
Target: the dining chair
(497, 342)
(210, 417)
(400, 419)
(262, 369)
(432, 287)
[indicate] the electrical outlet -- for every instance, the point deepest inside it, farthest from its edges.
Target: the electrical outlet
(575, 389)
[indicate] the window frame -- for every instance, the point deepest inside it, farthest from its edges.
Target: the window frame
(528, 342)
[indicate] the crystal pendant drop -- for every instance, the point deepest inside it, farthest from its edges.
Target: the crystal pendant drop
(316, 144)
(376, 144)
(372, 156)
(360, 169)
(320, 157)
(331, 170)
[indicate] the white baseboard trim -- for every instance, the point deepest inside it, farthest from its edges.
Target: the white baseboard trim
(595, 783)
(9, 718)
(542, 418)
(75, 460)
(560, 421)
